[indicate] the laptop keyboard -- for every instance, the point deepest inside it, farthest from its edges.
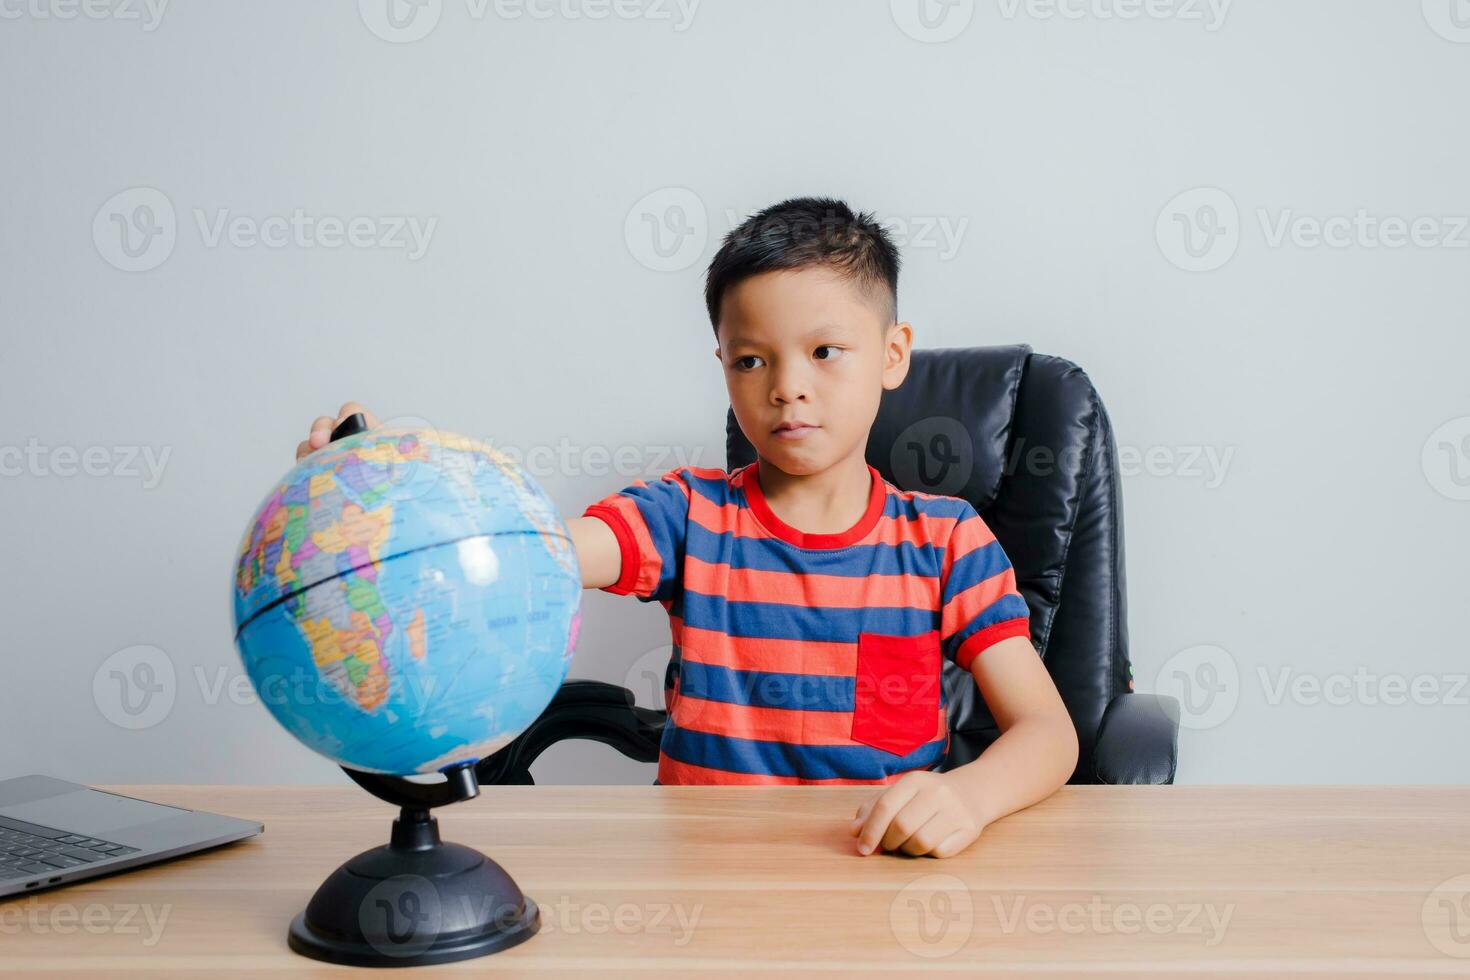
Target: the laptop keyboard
(27, 850)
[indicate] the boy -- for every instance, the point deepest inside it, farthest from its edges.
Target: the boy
(810, 602)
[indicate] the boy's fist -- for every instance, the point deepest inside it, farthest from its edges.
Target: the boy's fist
(920, 813)
(321, 429)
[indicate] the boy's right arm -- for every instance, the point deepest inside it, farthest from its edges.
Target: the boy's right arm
(597, 548)
(597, 552)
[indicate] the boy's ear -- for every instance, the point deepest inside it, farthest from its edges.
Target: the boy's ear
(897, 346)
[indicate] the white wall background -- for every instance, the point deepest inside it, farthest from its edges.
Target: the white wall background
(1031, 163)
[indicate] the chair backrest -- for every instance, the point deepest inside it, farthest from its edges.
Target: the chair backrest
(1025, 439)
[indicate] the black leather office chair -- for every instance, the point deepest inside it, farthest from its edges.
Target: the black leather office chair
(1024, 438)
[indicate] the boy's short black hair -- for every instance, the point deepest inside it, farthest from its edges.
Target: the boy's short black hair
(802, 232)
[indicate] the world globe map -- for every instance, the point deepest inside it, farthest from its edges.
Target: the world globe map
(406, 599)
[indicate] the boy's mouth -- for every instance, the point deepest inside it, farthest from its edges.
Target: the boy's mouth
(794, 430)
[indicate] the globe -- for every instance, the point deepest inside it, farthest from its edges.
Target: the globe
(406, 600)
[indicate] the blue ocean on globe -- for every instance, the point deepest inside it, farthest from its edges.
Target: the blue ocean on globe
(406, 599)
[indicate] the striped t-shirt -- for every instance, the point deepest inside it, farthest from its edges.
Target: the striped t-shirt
(808, 658)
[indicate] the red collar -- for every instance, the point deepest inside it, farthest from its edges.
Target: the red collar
(877, 496)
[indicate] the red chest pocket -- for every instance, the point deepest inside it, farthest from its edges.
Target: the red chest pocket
(896, 697)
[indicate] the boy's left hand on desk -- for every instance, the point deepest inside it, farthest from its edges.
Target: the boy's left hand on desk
(920, 813)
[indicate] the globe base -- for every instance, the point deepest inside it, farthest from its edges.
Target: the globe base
(415, 901)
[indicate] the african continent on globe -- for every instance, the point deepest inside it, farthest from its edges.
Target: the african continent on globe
(406, 599)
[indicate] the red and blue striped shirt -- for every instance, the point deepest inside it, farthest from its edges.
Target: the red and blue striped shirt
(808, 658)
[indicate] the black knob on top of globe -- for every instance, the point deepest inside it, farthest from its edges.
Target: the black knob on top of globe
(350, 426)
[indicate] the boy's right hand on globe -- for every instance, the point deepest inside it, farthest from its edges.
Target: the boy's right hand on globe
(598, 553)
(321, 429)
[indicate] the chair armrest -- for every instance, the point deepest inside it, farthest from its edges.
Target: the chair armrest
(587, 709)
(1137, 740)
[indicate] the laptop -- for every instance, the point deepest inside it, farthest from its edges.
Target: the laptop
(53, 833)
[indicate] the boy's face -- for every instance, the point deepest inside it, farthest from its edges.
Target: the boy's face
(808, 346)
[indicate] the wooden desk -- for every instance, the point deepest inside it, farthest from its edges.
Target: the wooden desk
(1245, 880)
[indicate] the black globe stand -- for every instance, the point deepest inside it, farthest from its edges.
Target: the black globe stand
(416, 900)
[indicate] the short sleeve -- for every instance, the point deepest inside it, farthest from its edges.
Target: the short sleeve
(650, 521)
(981, 604)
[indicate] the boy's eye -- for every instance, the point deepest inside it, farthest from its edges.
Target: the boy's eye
(747, 363)
(827, 352)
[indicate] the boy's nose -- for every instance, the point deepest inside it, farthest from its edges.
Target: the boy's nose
(783, 396)
(787, 387)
